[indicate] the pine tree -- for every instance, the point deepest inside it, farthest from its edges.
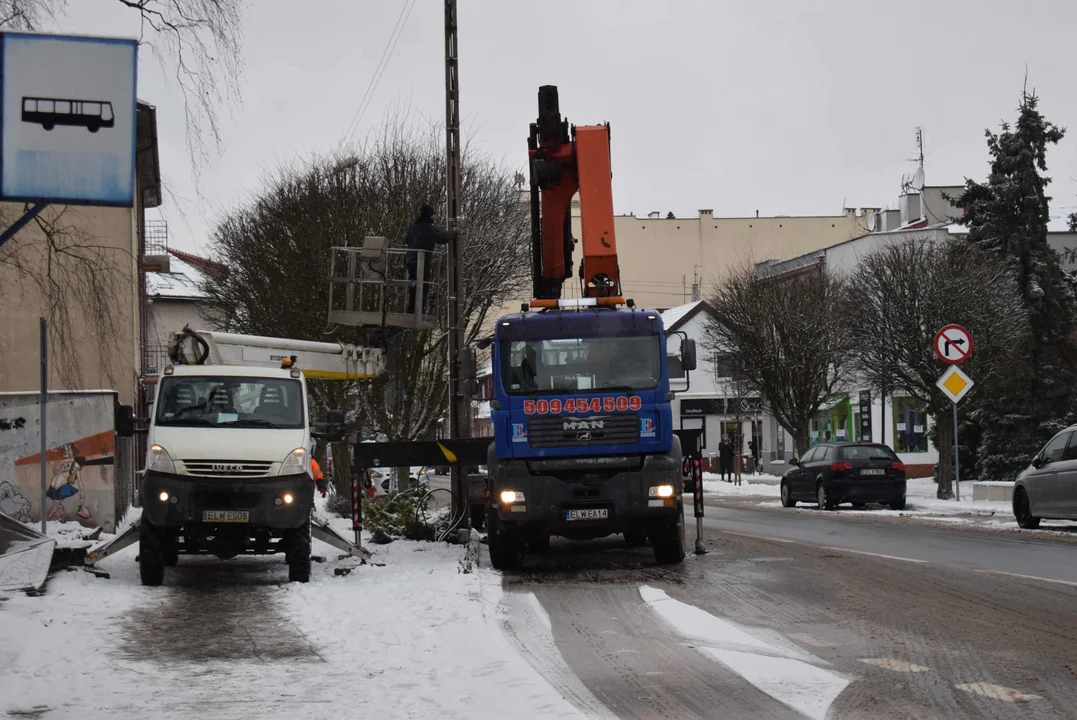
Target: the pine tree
(1008, 214)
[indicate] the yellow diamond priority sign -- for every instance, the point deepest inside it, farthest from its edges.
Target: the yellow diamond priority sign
(954, 383)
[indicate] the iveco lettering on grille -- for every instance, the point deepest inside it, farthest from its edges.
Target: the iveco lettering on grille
(583, 425)
(224, 467)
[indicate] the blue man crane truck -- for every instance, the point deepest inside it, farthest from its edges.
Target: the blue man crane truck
(583, 430)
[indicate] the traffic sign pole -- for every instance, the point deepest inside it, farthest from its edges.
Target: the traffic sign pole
(957, 461)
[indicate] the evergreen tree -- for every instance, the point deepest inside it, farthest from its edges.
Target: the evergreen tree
(1008, 215)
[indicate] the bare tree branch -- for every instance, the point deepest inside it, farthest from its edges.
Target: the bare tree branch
(785, 336)
(278, 250)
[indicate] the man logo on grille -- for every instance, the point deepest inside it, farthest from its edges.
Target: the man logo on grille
(583, 436)
(583, 425)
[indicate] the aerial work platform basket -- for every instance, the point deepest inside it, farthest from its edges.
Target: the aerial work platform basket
(372, 286)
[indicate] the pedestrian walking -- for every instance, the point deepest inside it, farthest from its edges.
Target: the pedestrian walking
(725, 459)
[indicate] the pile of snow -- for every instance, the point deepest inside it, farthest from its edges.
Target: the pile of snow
(756, 484)
(747, 487)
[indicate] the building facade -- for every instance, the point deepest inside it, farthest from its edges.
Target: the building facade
(898, 419)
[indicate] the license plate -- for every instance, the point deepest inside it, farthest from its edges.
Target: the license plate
(226, 516)
(587, 514)
(872, 471)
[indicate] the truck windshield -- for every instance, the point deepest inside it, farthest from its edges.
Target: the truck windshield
(580, 364)
(233, 402)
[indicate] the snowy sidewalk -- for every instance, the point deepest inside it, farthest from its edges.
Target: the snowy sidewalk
(234, 639)
(920, 502)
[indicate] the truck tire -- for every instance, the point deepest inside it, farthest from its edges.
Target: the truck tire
(151, 554)
(668, 541)
(297, 554)
(503, 543)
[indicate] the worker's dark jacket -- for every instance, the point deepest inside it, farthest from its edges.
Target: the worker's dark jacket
(424, 235)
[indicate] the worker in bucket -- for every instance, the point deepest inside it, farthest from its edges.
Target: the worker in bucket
(422, 236)
(318, 476)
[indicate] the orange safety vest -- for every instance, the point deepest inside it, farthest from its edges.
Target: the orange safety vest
(316, 471)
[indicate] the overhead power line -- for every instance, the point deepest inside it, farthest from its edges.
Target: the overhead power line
(383, 63)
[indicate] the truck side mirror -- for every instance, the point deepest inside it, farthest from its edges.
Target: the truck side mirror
(688, 354)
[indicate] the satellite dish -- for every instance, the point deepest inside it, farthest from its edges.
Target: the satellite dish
(918, 179)
(871, 222)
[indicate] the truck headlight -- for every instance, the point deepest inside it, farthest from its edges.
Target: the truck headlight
(660, 491)
(160, 460)
(295, 463)
(509, 497)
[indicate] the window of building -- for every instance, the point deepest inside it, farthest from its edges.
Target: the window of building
(910, 425)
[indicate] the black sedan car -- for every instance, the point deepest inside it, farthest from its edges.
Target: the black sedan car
(833, 473)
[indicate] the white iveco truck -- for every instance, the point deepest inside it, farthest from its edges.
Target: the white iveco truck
(228, 467)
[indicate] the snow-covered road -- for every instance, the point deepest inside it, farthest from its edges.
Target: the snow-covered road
(790, 615)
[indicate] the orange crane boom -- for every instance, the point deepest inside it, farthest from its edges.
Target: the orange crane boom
(565, 160)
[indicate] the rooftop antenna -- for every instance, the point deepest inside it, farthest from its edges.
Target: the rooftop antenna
(917, 182)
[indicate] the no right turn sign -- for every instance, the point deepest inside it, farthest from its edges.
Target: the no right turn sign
(953, 344)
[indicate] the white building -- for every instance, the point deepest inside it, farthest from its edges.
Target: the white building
(175, 298)
(712, 401)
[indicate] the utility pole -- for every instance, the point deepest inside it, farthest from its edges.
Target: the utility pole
(458, 401)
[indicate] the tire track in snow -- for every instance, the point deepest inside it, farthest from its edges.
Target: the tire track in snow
(529, 630)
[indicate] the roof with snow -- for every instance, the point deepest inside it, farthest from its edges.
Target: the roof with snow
(673, 318)
(185, 280)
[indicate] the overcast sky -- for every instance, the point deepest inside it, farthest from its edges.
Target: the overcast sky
(788, 107)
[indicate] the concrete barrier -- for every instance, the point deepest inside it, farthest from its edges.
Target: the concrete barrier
(998, 491)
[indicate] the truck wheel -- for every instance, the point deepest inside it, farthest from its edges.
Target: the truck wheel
(298, 554)
(668, 541)
(478, 516)
(636, 537)
(151, 554)
(505, 551)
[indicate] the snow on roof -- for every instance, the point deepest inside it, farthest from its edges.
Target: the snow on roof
(184, 282)
(674, 315)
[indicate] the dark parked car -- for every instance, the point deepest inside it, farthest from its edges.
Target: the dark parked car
(835, 473)
(1048, 487)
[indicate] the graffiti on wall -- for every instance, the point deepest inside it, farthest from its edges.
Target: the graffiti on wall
(79, 463)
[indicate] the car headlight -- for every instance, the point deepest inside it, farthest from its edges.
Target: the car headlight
(661, 491)
(295, 463)
(160, 460)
